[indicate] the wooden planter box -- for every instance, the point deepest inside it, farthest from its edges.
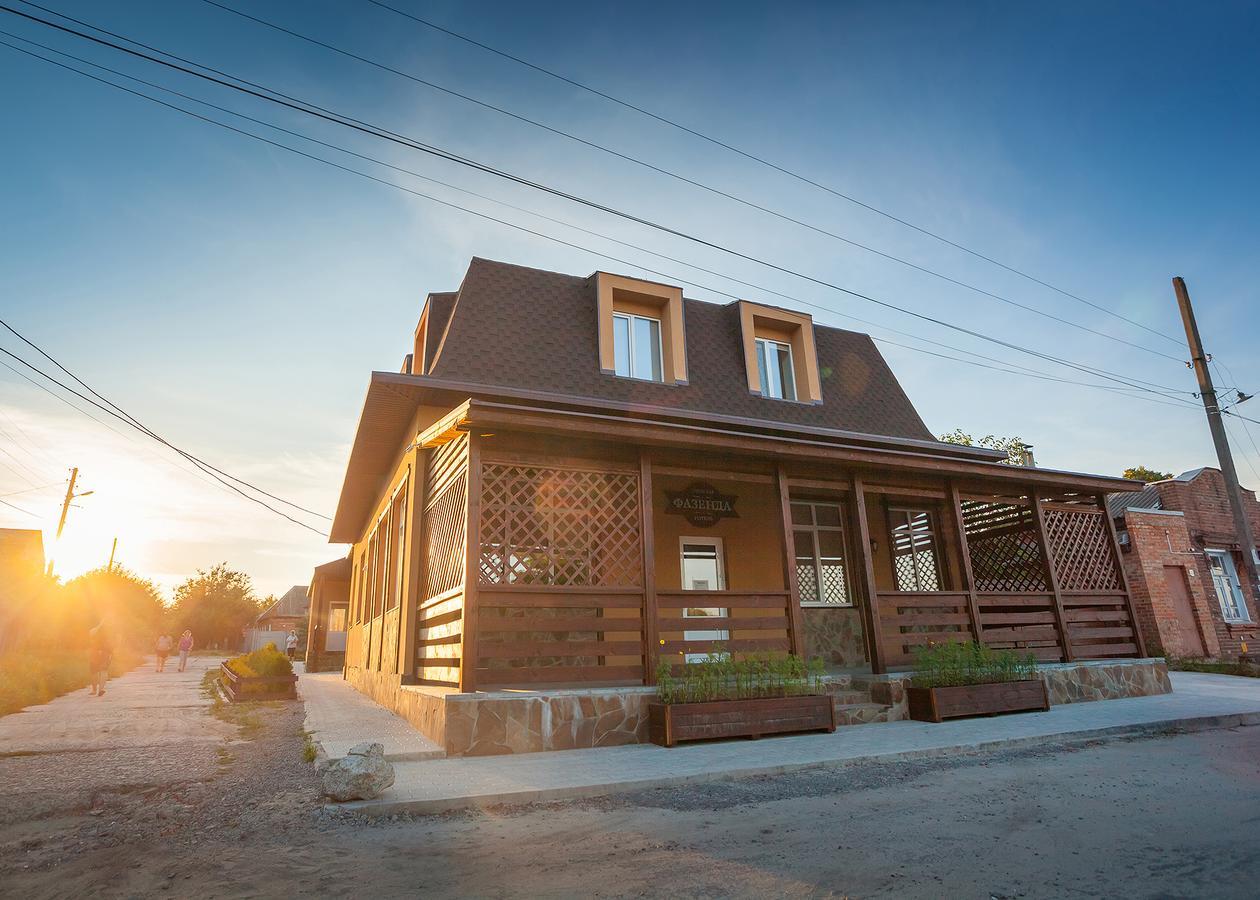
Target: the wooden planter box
(272, 687)
(670, 723)
(940, 703)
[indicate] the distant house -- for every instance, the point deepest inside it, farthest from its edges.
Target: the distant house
(330, 602)
(21, 566)
(1186, 571)
(286, 613)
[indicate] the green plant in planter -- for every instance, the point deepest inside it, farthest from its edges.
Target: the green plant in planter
(719, 676)
(954, 664)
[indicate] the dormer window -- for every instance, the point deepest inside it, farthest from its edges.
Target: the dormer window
(779, 354)
(774, 366)
(640, 329)
(637, 347)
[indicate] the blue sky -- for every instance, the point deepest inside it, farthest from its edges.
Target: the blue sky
(234, 297)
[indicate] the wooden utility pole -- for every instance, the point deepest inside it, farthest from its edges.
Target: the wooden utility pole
(65, 506)
(112, 551)
(1199, 360)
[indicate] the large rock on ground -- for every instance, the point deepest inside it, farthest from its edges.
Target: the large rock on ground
(362, 774)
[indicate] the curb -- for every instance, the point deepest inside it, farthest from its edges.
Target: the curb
(385, 807)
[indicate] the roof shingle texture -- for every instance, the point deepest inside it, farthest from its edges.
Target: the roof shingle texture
(513, 326)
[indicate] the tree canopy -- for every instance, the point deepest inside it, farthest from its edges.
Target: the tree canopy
(215, 606)
(1018, 452)
(1142, 473)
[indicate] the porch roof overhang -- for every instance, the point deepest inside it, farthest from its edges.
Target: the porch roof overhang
(393, 399)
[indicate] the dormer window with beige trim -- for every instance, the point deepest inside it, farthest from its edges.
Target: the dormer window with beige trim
(640, 329)
(779, 353)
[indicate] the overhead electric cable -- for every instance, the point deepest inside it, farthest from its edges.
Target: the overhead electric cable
(492, 218)
(776, 167)
(345, 121)
(18, 508)
(691, 181)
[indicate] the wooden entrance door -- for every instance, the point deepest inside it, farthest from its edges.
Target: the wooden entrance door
(1179, 597)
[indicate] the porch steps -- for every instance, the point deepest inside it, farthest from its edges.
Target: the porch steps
(855, 704)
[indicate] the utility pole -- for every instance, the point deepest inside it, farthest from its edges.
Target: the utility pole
(1199, 360)
(112, 551)
(65, 506)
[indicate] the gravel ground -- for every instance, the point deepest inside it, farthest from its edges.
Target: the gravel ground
(1150, 817)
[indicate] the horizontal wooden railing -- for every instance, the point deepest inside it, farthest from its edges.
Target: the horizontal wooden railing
(1024, 622)
(754, 622)
(535, 634)
(440, 624)
(1098, 624)
(908, 620)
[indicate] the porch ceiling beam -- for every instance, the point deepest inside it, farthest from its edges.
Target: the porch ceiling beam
(483, 414)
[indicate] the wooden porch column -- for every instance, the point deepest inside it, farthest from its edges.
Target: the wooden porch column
(1052, 577)
(874, 635)
(796, 628)
(472, 555)
(651, 621)
(409, 602)
(1138, 639)
(964, 556)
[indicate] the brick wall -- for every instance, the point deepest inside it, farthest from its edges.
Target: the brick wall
(1157, 540)
(1208, 522)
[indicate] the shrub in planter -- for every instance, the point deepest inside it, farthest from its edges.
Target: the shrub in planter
(969, 679)
(265, 672)
(720, 696)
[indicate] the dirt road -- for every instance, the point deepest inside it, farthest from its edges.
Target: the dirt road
(1164, 816)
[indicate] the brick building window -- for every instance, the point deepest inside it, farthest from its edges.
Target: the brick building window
(1228, 589)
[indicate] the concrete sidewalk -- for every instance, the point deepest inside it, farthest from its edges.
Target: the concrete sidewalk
(1199, 702)
(338, 717)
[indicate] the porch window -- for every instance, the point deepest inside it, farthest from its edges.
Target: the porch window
(637, 347)
(1228, 589)
(818, 534)
(914, 547)
(774, 365)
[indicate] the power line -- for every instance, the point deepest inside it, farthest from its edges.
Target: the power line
(31, 490)
(483, 215)
(357, 125)
(765, 162)
(691, 181)
(136, 423)
(19, 509)
(182, 453)
(1026, 370)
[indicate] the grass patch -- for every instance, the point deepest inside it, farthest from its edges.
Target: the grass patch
(1246, 670)
(244, 716)
(29, 677)
(308, 748)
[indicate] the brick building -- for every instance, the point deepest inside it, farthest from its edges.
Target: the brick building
(1191, 592)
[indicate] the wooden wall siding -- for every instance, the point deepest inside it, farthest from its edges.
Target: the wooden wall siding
(755, 622)
(909, 620)
(389, 641)
(560, 578)
(1100, 624)
(1002, 541)
(559, 525)
(439, 618)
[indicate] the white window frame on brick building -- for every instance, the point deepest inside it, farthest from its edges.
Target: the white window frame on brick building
(1229, 592)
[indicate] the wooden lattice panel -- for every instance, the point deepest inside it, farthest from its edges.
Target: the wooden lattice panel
(1081, 546)
(1005, 555)
(445, 538)
(559, 526)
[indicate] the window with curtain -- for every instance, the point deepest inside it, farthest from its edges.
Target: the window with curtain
(915, 551)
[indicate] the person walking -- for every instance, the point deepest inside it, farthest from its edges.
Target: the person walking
(164, 644)
(290, 643)
(100, 654)
(185, 647)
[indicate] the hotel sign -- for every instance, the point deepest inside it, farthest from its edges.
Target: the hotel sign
(702, 504)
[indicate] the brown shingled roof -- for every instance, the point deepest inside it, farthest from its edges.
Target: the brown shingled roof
(524, 328)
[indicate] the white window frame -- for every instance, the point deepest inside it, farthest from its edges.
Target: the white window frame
(814, 529)
(769, 386)
(1235, 585)
(660, 347)
(706, 634)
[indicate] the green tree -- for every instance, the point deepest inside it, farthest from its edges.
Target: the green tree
(129, 607)
(1018, 453)
(215, 606)
(1141, 473)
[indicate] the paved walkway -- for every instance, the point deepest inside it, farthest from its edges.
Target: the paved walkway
(338, 717)
(1199, 702)
(143, 708)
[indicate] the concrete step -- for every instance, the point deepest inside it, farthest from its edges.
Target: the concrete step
(861, 713)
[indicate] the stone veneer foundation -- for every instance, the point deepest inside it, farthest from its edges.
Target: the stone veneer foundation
(498, 722)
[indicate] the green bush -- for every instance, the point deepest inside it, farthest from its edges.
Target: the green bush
(266, 662)
(721, 677)
(952, 664)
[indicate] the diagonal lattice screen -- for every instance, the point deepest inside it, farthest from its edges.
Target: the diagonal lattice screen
(444, 538)
(1005, 555)
(548, 525)
(1081, 545)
